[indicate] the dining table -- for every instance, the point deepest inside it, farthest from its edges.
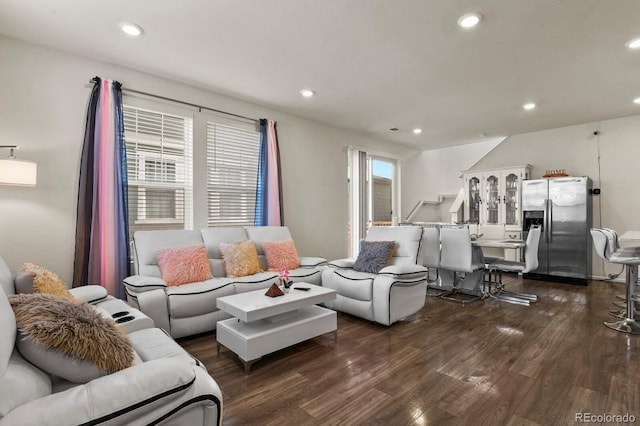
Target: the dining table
(474, 283)
(501, 244)
(630, 236)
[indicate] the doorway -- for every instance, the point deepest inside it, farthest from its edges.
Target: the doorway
(373, 194)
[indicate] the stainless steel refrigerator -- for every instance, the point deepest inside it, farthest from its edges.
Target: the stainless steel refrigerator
(563, 208)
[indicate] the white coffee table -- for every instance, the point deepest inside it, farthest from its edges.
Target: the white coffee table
(264, 324)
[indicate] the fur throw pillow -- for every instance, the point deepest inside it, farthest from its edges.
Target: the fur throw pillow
(45, 282)
(61, 337)
(374, 255)
(240, 259)
(184, 265)
(281, 255)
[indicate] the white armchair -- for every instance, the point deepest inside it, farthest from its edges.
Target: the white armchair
(395, 292)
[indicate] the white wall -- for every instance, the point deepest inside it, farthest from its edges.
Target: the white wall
(43, 100)
(577, 149)
(428, 174)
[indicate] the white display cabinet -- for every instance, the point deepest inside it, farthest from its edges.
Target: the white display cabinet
(493, 197)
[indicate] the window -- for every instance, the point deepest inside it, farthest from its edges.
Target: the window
(232, 173)
(159, 163)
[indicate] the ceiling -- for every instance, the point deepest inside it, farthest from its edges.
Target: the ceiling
(374, 64)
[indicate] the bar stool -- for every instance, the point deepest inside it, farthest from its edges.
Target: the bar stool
(530, 263)
(456, 255)
(613, 245)
(604, 243)
(613, 241)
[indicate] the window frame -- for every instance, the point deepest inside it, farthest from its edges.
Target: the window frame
(239, 125)
(182, 188)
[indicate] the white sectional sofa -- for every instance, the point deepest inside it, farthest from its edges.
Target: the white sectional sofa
(165, 385)
(397, 291)
(190, 308)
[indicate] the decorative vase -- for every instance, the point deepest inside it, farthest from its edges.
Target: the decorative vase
(283, 285)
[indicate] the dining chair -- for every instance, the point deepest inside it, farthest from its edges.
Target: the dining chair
(431, 259)
(497, 267)
(456, 255)
(604, 242)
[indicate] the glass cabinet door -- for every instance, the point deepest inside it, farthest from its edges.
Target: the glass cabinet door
(492, 199)
(474, 200)
(511, 199)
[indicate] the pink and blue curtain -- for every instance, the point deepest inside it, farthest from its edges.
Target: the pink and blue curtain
(102, 248)
(269, 210)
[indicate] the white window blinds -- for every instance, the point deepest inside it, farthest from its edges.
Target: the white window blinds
(160, 169)
(232, 172)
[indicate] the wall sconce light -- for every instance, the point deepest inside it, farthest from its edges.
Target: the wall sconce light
(17, 172)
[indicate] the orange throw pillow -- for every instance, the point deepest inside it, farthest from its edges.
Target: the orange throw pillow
(183, 265)
(281, 255)
(47, 282)
(240, 259)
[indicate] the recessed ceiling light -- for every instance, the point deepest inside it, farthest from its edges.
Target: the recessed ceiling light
(529, 106)
(131, 29)
(307, 93)
(417, 131)
(634, 44)
(469, 20)
(636, 101)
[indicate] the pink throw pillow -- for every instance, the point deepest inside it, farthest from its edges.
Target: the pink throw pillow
(281, 255)
(182, 265)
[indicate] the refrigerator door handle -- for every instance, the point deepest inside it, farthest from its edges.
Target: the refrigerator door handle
(545, 221)
(550, 221)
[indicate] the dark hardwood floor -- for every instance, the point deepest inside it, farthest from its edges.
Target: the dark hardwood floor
(488, 363)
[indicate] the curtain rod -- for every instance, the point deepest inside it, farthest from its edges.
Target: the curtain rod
(164, 98)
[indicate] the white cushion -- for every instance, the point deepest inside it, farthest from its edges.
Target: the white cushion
(212, 238)
(309, 261)
(350, 284)
(147, 243)
(153, 343)
(89, 293)
(132, 396)
(7, 331)
(260, 234)
(21, 383)
(342, 263)
(70, 368)
(404, 272)
(190, 300)
(407, 238)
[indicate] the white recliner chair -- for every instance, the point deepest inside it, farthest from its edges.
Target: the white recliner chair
(165, 386)
(397, 291)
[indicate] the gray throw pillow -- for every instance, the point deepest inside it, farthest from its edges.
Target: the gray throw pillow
(374, 255)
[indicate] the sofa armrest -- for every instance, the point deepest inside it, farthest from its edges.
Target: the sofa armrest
(394, 299)
(138, 395)
(141, 283)
(89, 293)
(152, 303)
(341, 263)
(312, 262)
(404, 272)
